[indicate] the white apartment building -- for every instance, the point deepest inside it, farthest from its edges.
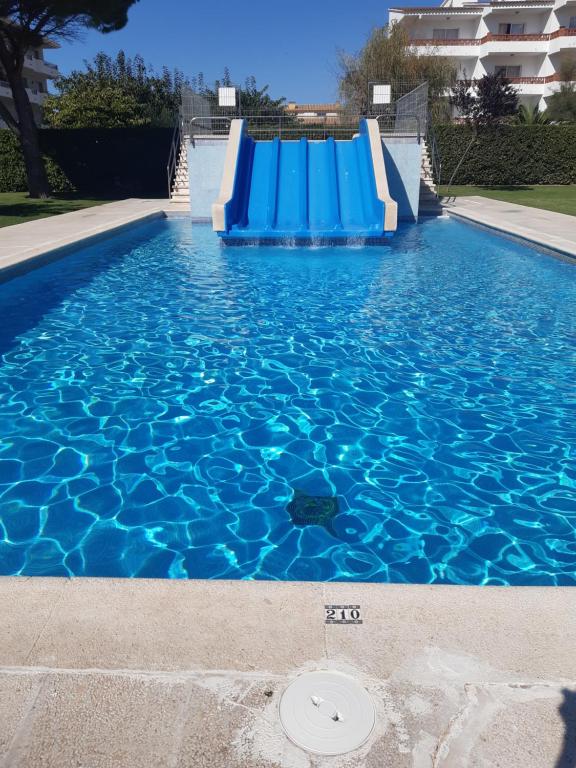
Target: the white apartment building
(526, 40)
(37, 73)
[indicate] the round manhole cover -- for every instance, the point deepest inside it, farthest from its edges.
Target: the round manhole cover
(327, 713)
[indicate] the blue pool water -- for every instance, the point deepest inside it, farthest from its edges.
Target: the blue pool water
(162, 399)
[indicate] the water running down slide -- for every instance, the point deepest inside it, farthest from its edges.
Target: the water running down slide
(304, 190)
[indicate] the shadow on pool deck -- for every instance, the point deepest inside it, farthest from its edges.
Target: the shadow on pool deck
(567, 710)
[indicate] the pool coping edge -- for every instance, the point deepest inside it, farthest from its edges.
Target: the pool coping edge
(34, 257)
(566, 250)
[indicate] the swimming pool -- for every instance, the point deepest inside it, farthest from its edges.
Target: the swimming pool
(171, 408)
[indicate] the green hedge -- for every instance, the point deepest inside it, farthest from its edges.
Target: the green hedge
(115, 162)
(509, 155)
(13, 172)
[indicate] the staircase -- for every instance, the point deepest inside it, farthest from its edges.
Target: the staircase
(429, 204)
(180, 192)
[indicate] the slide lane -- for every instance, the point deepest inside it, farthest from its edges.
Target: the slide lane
(323, 205)
(288, 216)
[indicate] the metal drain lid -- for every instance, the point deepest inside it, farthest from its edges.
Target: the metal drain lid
(327, 713)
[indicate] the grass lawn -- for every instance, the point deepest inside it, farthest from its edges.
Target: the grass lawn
(16, 207)
(561, 199)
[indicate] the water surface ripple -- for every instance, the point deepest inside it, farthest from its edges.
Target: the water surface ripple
(162, 398)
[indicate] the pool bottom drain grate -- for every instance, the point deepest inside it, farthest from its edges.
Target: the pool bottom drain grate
(313, 510)
(327, 713)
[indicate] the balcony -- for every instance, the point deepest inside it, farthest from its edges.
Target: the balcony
(36, 96)
(40, 66)
(563, 32)
(533, 85)
(562, 39)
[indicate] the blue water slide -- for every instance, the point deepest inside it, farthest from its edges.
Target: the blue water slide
(304, 190)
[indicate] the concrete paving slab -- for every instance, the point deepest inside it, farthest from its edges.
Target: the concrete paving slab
(24, 615)
(545, 228)
(496, 628)
(18, 692)
(253, 736)
(101, 721)
(497, 728)
(162, 624)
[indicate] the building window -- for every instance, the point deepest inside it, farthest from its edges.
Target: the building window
(572, 22)
(508, 71)
(445, 34)
(510, 29)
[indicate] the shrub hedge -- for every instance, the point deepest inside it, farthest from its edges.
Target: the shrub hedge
(13, 172)
(115, 162)
(509, 155)
(131, 162)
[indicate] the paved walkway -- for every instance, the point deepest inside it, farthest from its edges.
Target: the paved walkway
(22, 242)
(546, 228)
(106, 673)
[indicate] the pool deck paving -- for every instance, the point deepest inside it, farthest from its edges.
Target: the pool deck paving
(545, 228)
(117, 673)
(21, 243)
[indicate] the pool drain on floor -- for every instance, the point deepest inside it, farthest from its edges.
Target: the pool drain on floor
(327, 713)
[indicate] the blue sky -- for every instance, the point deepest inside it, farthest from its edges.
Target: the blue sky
(290, 45)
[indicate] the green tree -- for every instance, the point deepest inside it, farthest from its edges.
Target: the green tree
(562, 104)
(115, 92)
(387, 57)
(486, 101)
(26, 24)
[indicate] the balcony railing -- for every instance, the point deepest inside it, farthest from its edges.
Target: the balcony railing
(527, 80)
(454, 41)
(530, 80)
(562, 32)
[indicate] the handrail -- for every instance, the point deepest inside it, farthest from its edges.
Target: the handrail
(173, 155)
(206, 118)
(435, 158)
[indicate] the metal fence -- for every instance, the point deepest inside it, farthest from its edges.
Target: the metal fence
(413, 103)
(266, 127)
(404, 119)
(193, 105)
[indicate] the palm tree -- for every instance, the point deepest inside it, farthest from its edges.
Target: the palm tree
(527, 116)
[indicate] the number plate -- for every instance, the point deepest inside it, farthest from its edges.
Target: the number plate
(342, 614)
